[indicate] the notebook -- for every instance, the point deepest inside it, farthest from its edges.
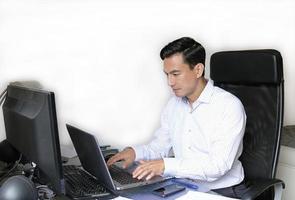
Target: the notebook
(92, 160)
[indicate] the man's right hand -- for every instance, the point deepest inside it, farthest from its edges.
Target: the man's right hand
(127, 156)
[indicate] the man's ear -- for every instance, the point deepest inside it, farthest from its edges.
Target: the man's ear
(199, 69)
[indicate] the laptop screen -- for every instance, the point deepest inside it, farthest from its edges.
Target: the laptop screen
(91, 156)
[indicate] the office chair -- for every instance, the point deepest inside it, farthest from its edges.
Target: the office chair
(256, 78)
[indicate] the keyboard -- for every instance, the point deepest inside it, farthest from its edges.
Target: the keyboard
(121, 176)
(81, 185)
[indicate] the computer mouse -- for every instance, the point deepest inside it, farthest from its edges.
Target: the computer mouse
(18, 188)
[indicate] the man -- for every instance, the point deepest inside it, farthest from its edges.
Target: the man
(203, 124)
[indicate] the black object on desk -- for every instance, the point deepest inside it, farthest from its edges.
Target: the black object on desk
(18, 187)
(168, 190)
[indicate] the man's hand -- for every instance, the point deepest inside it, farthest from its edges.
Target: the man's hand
(127, 155)
(149, 169)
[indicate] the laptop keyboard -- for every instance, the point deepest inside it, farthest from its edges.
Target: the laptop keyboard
(80, 184)
(122, 176)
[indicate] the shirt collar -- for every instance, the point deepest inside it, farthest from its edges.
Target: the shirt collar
(205, 95)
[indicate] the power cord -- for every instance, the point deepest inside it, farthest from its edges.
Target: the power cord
(3, 96)
(13, 168)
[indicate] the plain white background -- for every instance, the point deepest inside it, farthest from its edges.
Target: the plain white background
(101, 57)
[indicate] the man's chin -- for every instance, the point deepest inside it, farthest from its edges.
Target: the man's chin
(178, 94)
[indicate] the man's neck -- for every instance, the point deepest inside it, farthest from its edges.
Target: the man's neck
(201, 85)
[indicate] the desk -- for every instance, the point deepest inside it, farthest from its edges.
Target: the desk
(144, 193)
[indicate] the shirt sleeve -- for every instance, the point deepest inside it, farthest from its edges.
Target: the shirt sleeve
(225, 148)
(160, 145)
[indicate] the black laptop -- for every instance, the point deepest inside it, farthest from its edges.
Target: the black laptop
(92, 160)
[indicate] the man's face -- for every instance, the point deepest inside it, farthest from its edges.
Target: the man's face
(182, 79)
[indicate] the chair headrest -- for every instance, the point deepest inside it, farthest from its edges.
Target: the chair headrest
(250, 66)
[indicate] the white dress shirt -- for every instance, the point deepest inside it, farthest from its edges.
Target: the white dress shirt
(206, 138)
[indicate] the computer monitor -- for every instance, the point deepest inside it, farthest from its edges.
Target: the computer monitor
(31, 127)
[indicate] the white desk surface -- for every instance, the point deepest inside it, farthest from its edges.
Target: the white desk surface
(202, 196)
(191, 195)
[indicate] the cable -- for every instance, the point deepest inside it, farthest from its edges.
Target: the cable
(2, 93)
(2, 96)
(4, 167)
(15, 165)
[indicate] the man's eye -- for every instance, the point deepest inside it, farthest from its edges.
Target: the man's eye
(176, 74)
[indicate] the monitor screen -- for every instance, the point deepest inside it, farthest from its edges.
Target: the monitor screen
(31, 127)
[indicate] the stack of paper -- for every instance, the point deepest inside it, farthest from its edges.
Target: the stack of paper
(202, 196)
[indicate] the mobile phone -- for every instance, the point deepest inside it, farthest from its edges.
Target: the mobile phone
(168, 190)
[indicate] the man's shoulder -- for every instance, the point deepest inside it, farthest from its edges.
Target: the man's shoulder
(228, 105)
(224, 97)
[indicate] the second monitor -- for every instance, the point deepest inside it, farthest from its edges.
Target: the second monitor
(31, 127)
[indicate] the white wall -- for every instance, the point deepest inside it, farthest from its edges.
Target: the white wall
(286, 171)
(101, 57)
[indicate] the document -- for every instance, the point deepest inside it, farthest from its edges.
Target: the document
(201, 195)
(121, 198)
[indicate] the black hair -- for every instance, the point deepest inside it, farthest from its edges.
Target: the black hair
(192, 51)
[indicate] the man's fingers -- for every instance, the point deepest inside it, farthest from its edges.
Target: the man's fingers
(111, 160)
(114, 159)
(148, 169)
(127, 155)
(140, 170)
(144, 173)
(126, 163)
(137, 171)
(151, 175)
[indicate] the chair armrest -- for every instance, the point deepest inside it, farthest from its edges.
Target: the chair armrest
(258, 186)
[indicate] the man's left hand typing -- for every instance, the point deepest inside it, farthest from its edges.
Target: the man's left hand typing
(149, 169)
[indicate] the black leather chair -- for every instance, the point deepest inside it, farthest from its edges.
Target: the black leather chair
(256, 78)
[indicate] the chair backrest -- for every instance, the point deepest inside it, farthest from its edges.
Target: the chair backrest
(256, 78)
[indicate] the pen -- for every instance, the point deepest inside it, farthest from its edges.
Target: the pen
(186, 182)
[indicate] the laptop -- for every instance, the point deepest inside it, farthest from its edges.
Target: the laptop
(92, 160)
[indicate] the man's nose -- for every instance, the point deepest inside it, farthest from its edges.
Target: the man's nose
(171, 81)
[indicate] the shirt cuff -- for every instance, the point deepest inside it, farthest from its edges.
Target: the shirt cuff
(171, 166)
(139, 155)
